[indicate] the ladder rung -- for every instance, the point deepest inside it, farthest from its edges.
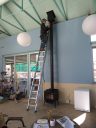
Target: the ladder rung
(35, 85)
(32, 105)
(42, 51)
(33, 95)
(33, 98)
(40, 61)
(34, 91)
(41, 56)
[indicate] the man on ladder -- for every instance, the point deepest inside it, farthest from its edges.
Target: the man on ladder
(33, 95)
(45, 26)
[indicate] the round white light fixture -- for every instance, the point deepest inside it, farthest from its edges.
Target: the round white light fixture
(24, 39)
(89, 25)
(3, 2)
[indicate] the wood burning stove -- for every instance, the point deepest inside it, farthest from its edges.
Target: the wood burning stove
(51, 96)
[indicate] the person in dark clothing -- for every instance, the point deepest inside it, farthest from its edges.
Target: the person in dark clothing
(19, 94)
(45, 26)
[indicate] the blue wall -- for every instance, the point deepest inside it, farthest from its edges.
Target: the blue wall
(72, 52)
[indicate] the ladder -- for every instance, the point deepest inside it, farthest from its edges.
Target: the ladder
(33, 94)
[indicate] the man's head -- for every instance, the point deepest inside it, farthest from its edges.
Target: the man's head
(43, 21)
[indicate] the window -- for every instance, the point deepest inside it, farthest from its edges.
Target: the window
(93, 41)
(94, 63)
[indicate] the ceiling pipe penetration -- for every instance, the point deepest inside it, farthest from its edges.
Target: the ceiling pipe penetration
(3, 2)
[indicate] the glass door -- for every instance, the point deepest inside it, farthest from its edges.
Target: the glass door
(9, 68)
(21, 71)
(33, 60)
(21, 68)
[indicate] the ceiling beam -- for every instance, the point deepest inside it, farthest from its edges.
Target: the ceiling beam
(63, 10)
(22, 5)
(59, 8)
(34, 9)
(4, 33)
(26, 12)
(15, 18)
(0, 11)
(5, 30)
(94, 5)
(11, 24)
(0, 24)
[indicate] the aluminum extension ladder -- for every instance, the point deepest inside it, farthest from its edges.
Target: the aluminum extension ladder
(33, 94)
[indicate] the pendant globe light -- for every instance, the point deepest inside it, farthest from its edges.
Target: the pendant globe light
(24, 39)
(89, 25)
(3, 2)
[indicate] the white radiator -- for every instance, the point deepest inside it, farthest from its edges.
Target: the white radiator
(82, 99)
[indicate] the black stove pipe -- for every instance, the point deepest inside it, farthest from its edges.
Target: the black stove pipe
(51, 19)
(51, 56)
